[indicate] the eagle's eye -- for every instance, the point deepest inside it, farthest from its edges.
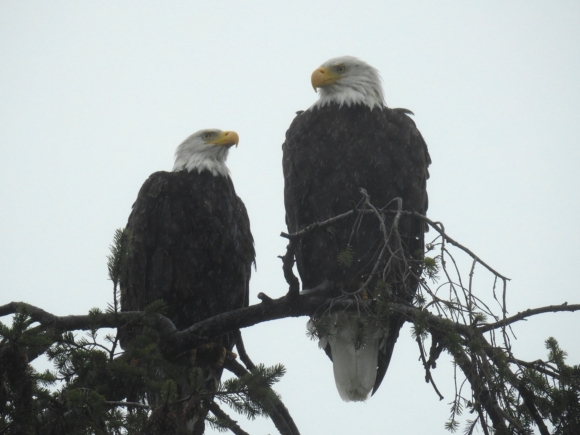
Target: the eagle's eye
(340, 69)
(207, 136)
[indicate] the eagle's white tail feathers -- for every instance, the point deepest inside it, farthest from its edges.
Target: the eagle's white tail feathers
(355, 370)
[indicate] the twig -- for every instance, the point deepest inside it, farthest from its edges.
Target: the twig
(539, 366)
(428, 377)
(316, 225)
(436, 227)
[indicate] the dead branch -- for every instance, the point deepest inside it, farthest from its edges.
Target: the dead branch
(428, 376)
(528, 313)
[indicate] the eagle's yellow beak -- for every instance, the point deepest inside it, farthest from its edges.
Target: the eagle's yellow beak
(323, 77)
(226, 138)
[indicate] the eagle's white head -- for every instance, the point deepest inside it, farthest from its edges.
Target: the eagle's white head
(348, 80)
(206, 150)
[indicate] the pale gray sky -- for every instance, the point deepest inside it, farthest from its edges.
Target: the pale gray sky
(94, 97)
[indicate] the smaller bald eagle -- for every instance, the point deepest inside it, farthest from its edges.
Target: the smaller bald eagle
(190, 239)
(347, 140)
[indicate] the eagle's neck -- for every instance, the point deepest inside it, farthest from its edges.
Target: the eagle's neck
(190, 157)
(352, 93)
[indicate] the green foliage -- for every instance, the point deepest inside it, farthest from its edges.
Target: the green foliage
(382, 295)
(346, 257)
(556, 397)
(218, 424)
(251, 395)
(452, 425)
(119, 251)
(325, 326)
(86, 392)
(431, 267)
(420, 328)
(16, 378)
(479, 318)
(96, 388)
(420, 300)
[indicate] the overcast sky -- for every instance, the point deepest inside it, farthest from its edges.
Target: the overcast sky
(95, 96)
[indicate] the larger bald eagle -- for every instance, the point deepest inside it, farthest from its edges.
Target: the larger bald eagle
(190, 239)
(348, 140)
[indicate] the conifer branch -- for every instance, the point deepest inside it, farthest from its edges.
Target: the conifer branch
(481, 394)
(223, 417)
(280, 415)
(128, 404)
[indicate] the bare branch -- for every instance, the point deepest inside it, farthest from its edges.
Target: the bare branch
(438, 227)
(242, 351)
(323, 224)
(428, 376)
(528, 313)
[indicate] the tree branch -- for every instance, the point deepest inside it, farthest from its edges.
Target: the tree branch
(428, 376)
(528, 313)
(287, 266)
(242, 351)
(437, 226)
(79, 322)
(481, 394)
(280, 415)
(316, 225)
(202, 332)
(232, 424)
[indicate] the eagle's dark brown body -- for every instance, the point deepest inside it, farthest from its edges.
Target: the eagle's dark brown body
(191, 246)
(330, 153)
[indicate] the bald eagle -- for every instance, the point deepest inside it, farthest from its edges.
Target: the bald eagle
(190, 240)
(347, 140)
